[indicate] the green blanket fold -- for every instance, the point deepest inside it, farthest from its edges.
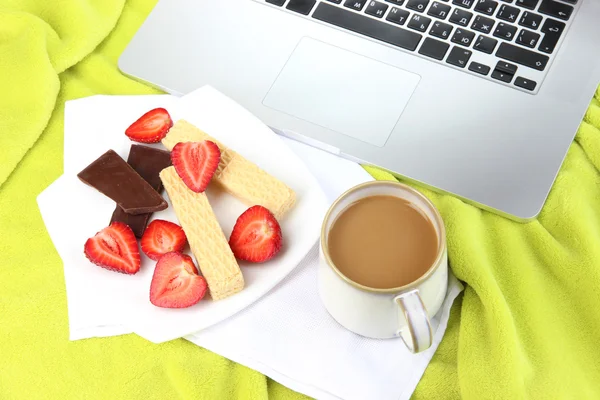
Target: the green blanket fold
(524, 329)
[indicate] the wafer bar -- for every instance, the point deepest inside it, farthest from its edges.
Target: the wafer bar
(238, 176)
(147, 162)
(204, 234)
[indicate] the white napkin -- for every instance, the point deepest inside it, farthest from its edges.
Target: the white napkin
(85, 211)
(288, 335)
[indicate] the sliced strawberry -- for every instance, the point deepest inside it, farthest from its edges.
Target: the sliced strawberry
(256, 236)
(114, 248)
(176, 283)
(196, 163)
(151, 127)
(162, 237)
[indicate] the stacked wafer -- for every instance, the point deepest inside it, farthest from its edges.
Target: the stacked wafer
(206, 239)
(237, 176)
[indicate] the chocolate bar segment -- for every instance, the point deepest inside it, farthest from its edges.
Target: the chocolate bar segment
(114, 178)
(147, 162)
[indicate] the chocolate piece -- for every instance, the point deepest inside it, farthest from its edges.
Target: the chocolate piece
(148, 162)
(114, 178)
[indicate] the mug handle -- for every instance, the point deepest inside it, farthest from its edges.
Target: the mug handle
(417, 334)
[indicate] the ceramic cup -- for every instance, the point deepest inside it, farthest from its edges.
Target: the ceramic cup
(403, 312)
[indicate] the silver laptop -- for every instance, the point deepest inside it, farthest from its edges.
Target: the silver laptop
(478, 98)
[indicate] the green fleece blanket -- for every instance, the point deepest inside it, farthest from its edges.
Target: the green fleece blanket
(525, 328)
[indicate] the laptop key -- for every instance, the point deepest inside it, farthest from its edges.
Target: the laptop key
(552, 30)
(278, 2)
(479, 68)
(528, 38)
(506, 67)
(530, 4)
(553, 26)
(461, 17)
(459, 56)
(417, 5)
(502, 76)
(398, 16)
(463, 37)
(508, 13)
(376, 9)
(486, 6)
(333, 1)
(398, 2)
(525, 83)
(483, 24)
(301, 6)
(549, 43)
(463, 3)
(419, 23)
(555, 9)
(530, 20)
(522, 56)
(485, 44)
(441, 30)
(505, 31)
(367, 26)
(439, 10)
(355, 4)
(434, 48)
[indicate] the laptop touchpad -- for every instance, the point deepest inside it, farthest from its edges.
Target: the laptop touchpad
(342, 91)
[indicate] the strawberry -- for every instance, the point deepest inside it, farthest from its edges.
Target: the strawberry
(196, 163)
(151, 127)
(256, 236)
(114, 248)
(176, 283)
(162, 237)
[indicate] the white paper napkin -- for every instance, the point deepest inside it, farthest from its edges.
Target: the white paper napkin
(84, 211)
(288, 335)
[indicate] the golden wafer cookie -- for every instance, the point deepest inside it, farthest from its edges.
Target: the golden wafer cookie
(238, 176)
(205, 236)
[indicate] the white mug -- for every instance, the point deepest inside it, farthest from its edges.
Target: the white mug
(385, 313)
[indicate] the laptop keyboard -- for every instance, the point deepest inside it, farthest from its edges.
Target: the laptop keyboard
(510, 42)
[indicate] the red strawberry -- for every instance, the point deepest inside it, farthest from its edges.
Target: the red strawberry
(151, 127)
(114, 248)
(196, 163)
(176, 283)
(162, 237)
(256, 236)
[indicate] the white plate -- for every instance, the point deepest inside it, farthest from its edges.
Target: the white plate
(74, 212)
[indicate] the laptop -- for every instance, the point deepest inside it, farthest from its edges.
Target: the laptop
(477, 98)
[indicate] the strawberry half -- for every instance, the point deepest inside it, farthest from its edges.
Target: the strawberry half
(176, 283)
(162, 237)
(151, 127)
(256, 236)
(196, 163)
(114, 248)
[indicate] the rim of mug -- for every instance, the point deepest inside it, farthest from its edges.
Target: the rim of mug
(434, 266)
